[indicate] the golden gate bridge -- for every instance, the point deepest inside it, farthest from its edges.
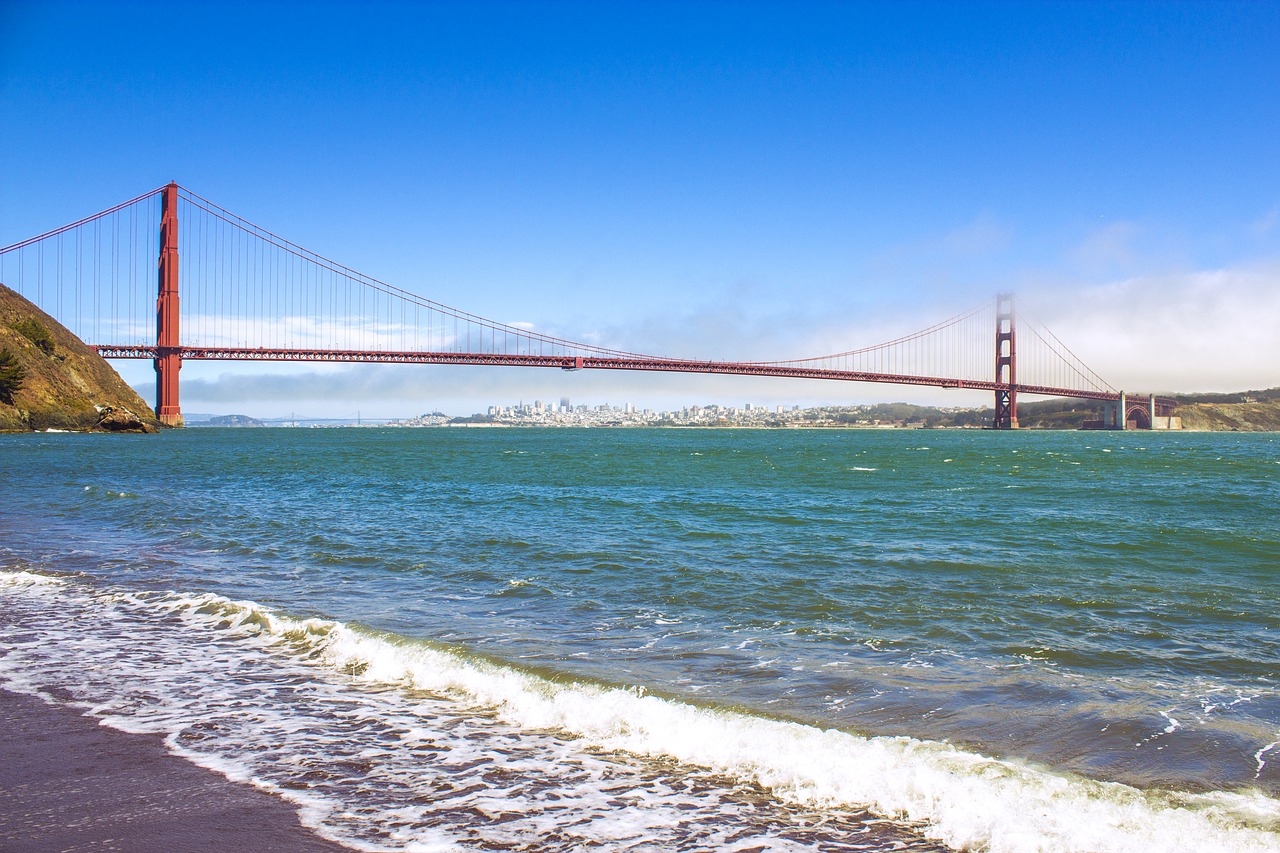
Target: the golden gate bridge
(243, 293)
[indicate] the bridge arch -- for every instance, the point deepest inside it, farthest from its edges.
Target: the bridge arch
(1139, 414)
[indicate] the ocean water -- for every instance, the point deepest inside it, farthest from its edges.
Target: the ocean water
(674, 639)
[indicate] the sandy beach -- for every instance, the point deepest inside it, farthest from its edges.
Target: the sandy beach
(69, 784)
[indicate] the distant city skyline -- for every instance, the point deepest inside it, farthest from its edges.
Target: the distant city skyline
(751, 181)
(564, 413)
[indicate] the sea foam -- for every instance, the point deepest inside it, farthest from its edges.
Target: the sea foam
(968, 801)
(963, 799)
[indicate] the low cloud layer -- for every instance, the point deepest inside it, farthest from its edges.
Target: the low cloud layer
(1179, 331)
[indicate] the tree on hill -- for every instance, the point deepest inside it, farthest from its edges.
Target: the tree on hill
(31, 329)
(11, 376)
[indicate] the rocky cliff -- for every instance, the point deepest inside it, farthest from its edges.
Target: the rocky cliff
(49, 379)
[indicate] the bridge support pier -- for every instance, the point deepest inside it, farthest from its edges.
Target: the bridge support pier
(1006, 416)
(1115, 413)
(168, 359)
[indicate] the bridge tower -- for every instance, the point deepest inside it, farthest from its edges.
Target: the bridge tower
(168, 359)
(1006, 365)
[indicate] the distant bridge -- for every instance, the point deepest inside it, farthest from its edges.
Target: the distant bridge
(246, 294)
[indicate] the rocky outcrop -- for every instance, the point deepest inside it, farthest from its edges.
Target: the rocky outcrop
(49, 378)
(120, 419)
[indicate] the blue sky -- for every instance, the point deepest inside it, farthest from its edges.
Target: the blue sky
(716, 179)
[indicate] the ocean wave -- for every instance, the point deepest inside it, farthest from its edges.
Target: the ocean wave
(963, 799)
(22, 578)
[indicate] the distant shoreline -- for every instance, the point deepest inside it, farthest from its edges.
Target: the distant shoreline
(1045, 416)
(695, 427)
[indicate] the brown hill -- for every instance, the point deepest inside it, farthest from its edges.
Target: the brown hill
(63, 384)
(1242, 417)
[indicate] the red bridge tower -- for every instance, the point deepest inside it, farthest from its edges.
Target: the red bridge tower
(1006, 365)
(168, 359)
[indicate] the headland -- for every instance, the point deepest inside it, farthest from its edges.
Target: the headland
(51, 380)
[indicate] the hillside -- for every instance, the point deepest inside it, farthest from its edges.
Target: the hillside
(1239, 417)
(238, 421)
(1246, 411)
(1252, 411)
(49, 379)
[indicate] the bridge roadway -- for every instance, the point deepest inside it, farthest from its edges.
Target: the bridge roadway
(571, 362)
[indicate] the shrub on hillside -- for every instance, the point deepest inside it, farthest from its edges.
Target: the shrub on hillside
(31, 329)
(11, 376)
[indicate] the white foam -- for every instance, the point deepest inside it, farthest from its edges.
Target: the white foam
(12, 579)
(1262, 762)
(966, 800)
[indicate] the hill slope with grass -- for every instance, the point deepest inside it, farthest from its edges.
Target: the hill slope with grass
(1230, 417)
(49, 378)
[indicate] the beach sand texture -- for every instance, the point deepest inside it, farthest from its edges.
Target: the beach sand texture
(69, 784)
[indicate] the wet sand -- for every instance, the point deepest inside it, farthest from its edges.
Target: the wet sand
(69, 784)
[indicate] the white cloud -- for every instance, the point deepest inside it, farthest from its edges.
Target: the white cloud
(1183, 331)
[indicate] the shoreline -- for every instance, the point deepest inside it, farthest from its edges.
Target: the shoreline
(68, 783)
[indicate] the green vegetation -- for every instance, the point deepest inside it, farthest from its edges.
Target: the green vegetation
(11, 376)
(1058, 413)
(32, 329)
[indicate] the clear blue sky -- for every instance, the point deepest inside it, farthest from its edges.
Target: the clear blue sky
(714, 179)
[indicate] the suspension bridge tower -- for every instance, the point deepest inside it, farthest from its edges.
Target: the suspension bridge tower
(168, 360)
(1006, 365)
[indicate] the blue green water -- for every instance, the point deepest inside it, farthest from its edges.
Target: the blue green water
(967, 634)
